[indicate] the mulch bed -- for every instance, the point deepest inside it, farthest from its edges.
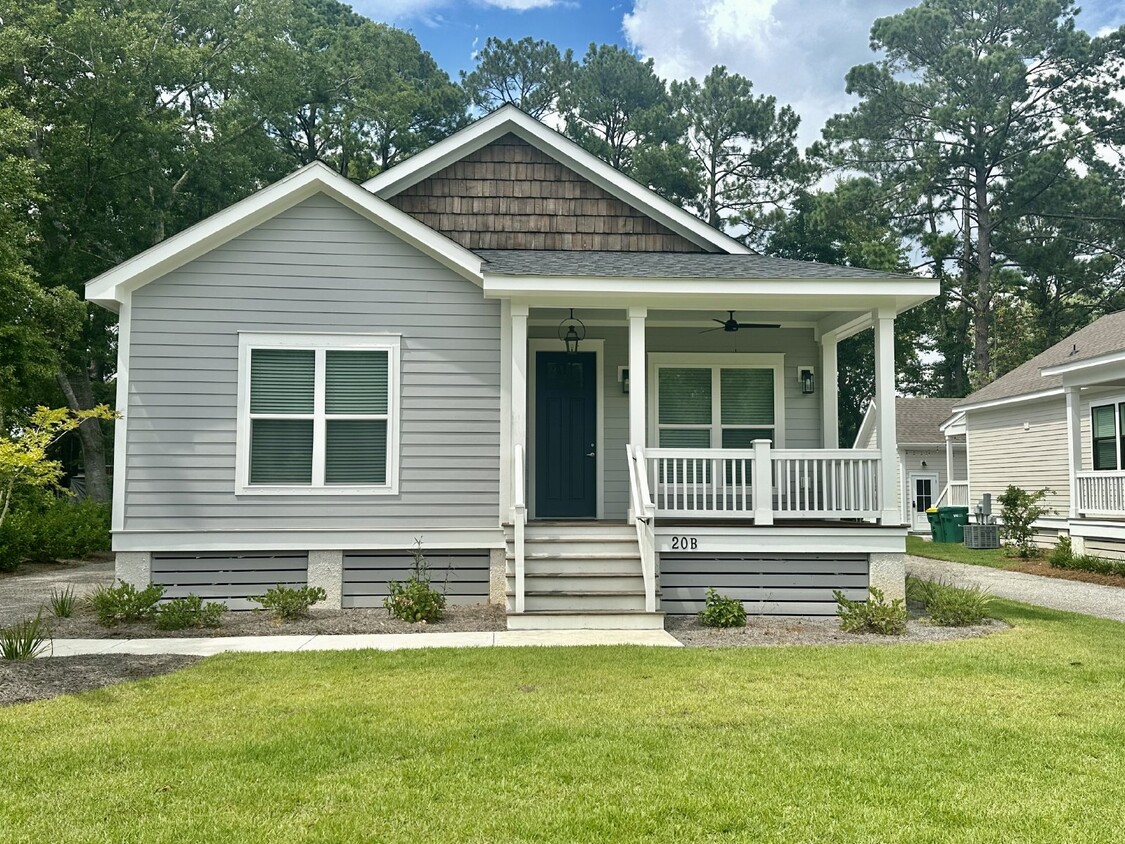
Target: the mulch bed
(40, 679)
(1043, 569)
(321, 622)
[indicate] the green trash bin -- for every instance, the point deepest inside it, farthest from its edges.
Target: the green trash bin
(936, 529)
(953, 521)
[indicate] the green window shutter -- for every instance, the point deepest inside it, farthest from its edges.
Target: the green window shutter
(685, 396)
(282, 380)
(281, 451)
(355, 382)
(355, 451)
(744, 437)
(747, 396)
(685, 438)
(1105, 437)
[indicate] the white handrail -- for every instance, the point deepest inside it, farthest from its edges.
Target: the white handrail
(644, 514)
(954, 494)
(519, 521)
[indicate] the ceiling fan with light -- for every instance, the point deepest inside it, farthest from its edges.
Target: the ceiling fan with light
(732, 324)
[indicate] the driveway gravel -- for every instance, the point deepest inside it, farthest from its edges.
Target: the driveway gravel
(1056, 594)
(24, 592)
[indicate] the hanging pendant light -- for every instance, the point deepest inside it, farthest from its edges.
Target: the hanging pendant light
(572, 332)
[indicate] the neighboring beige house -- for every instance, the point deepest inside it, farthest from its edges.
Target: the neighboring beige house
(924, 455)
(1057, 422)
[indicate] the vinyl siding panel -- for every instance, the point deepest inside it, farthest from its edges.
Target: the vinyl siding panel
(320, 268)
(1002, 453)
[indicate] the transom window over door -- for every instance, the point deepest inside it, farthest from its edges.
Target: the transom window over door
(1107, 425)
(717, 401)
(318, 414)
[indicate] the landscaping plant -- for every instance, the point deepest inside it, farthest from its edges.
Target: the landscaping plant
(62, 529)
(62, 603)
(415, 600)
(948, 605)
(721, 611)
(290, 602)
(25, 639)
(1021, 509)
(874, 615)
(1063, 557)
(125, 603)
(182, 613)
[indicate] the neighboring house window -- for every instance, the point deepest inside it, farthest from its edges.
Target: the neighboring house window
(718, 404)
(318, 414)
(1107, 423)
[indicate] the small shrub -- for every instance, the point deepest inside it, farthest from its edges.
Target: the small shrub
(25, 640)
(63, 530)
(416, 600)
(63, 603)
(949, 605)
(1062, 553)
(125, 603)
(720, 611)
(12, 546)
(289, 602)
(1021, 509)
(874, 615)
(1085, 562)
(182, 613)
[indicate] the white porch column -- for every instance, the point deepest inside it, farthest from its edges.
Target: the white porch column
(519, 379)
(637, 372)
(829, 391)
(885, 418)
(949, 460)
(1073, 444)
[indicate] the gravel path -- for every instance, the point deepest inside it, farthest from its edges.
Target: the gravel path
(1066, 595)
(24, 592)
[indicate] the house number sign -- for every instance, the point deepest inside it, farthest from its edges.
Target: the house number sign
(685, 543)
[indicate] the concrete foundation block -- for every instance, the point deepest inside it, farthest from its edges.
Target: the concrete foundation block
(326, 570)
(497, 576)
(133, 567)
(888, 573)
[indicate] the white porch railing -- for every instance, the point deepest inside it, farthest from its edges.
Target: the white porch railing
(644, 513)
(1100, 493)
(764, 483)
(519, 522)
(955, 494)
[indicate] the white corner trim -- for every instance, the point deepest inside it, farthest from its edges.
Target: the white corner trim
(121, 424)
(110, 287)
(319, 343)
(510, 119)
(1026, 397)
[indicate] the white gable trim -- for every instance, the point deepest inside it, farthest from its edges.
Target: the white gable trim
(866, 426)
(113, 286)
(1026, 397)
(507, 119)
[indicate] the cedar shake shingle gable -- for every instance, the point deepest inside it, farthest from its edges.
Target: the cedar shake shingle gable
(510, 195)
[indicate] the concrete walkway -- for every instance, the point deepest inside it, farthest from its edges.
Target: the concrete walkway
(374, 641)
(1055, 593)
(22, 595)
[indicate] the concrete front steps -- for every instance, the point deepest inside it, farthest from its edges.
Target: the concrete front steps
(580, 576)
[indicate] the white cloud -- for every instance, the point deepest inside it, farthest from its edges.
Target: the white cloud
(520, 5)
(396, 11)
(797, 50)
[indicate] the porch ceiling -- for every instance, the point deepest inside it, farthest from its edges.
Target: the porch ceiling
(844, 322)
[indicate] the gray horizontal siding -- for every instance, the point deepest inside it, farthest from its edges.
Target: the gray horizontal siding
(320, 268)
(228, 578)
(462, 576)
(797, 584)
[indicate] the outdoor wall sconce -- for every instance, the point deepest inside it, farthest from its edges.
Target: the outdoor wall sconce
(623, 377)
(805, 376)
(572, 332)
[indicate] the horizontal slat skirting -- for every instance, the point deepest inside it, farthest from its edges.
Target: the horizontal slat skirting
(462, 575)
(230, 578)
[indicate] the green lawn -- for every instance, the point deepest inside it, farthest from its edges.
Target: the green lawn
(1019, 737)
(997, 558)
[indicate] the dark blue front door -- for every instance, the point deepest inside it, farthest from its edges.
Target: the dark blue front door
(566, 435)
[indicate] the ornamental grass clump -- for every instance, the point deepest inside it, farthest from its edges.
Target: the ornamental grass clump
(1063, 557)
(948, 605)
(63, 603)
(415, 600)
(721, 611)
(25, 639)
(874, 615)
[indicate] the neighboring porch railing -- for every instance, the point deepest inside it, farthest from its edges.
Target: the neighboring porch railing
(519, 522)
(763, 483)
(1100, 493)
(644, 513)
(955, 494)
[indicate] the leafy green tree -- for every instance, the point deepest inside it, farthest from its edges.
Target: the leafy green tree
(978, 108)
(528, 74)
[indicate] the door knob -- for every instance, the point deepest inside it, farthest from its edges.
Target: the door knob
(591, 453)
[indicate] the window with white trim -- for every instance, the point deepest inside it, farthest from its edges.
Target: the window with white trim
(1107, 427)
(716, 405)
(318, 413)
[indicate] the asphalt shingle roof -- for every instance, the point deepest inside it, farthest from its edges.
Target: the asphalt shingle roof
(1101, 337)
(661, 265)
(917, 420)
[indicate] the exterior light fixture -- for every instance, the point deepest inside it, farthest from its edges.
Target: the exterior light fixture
(572, 332)
(625, 380)
(805, 375)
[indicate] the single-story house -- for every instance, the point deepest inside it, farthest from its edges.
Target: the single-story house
(923, 457)
(1058, 423)
(586, 403)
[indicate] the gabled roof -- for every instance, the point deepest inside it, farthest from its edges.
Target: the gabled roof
(1105, 336)
(507, 119)
(918, 420)
(111, 287)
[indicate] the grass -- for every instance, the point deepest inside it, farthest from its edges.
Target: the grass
(1015, 737)
(997, 558)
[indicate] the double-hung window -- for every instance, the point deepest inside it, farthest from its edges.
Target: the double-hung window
(1107, 425)
(318, 414)
(717, 401)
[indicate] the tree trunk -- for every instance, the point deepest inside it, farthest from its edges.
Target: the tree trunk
(80, 396)
(982, 301)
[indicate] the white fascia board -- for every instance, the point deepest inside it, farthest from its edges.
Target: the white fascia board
(1026, 397)
(954, 426)
(1088, 363)
(510, 119)
(110, 287)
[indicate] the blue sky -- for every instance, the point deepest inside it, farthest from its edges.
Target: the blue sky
(797, 50)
